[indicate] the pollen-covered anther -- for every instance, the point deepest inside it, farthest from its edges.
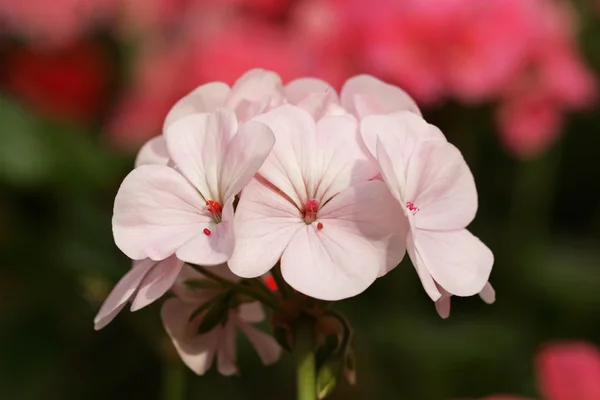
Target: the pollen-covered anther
(319, 226)
(412, 207)
(310, 211)
(214, 207)
(207, 231)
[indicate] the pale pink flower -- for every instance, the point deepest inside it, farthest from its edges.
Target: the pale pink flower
(436, 189)
(199, 350)
(314, 208)
(569, 371)
(188, 210)
(442, 305)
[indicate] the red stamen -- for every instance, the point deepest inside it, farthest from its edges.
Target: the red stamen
(214, 207)
(207, 231)
(319, 226)
(310, 211)
(270, 282)
(412, 207)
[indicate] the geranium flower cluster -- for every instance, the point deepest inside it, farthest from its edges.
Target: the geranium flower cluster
(329, 190)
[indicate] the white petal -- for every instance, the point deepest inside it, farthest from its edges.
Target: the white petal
(214, 248)
(342, 159)
(245, 154)
(265, 345)
(122, 292)
(458, 261)
(431, 288)
(265, 222)
(156, 211)
(399, 132)
(157, 282)
(154, 151)
(196, 351)
(299, 89)
(346, 255)
(441, 186)
(488, 294)
(392, 171)
(204, 98)
(255, 91)
(364, 95)
(197, 144)
(226, 364)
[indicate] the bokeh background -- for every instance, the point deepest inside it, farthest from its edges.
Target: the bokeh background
(83, 83)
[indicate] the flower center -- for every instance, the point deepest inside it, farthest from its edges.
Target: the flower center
(215, 209)
(310, 211)
(411, 207)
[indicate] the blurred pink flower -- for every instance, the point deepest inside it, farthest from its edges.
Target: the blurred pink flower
(57, 21)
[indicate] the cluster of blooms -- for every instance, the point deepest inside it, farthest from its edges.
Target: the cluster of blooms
(566, 371)
(333, 188)
(520, 54)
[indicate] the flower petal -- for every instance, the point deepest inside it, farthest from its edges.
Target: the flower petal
(122, 292)
(265, 222)
(569, 371)
(299, 89)
(157, 282)
(197, 144)
(345, 256)
(245, 154)
(213, 246)
(488, 294)
(204, 98)
(458, 261)
(196, 351)
(342, 159)
(226, 364)
(154, 151)
(251, 312)
(442, 305)
(156, 211)
(441, 185)
(258, 86)
(364, 95)
(291, 163)
(431, 288)
(265, 345)
(392, 171)
(399, 132)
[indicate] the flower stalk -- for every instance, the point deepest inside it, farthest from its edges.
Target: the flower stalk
(304, 354)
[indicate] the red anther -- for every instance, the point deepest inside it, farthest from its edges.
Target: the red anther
(319, 226)
(270, 282)
(310, 211)
(207, 231)
(412, 207)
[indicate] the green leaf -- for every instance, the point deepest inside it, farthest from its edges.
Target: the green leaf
(328, 377)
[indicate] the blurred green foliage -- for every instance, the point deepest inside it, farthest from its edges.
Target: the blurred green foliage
(58, 261)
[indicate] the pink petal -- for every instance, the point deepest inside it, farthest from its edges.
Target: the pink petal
(569, 371)
(204, 98)
(255, 86)
(156, 211)
(213, 246)
(197, 144)
(442, 305)
(431, 288)
(196, 351)
(393, 169)
(488, 294)
(122, 292)
(265, 222)
(299, 89)
(458, 261)
(245, 154)
(251, 312)
(154, 151)
(265, 345)
(157, 282)
(341, 159)
(345, 256)
(364, 95)
(441, 186)
(399, 132)
(226, 364)
(291, 163)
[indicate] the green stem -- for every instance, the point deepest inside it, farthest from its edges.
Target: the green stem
(269, 302)
(173, 381)
(304, 353)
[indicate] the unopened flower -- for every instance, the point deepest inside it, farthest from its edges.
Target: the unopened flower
(199, 344)
(315, 208)
(160, 211)
(433, 183)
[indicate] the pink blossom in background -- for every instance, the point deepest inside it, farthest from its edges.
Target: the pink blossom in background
(55, 22)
